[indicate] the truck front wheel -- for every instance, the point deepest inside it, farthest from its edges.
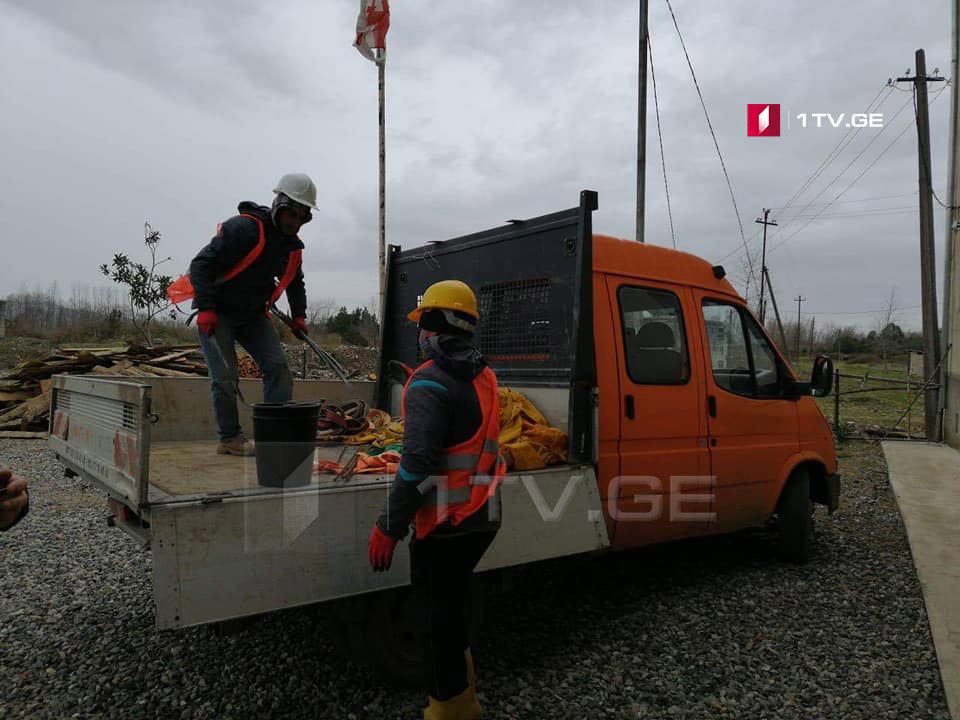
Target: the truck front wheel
(796, 520)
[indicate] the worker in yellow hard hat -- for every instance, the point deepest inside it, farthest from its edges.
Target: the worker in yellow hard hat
(447, 487)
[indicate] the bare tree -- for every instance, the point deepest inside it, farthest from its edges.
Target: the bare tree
(146, 288)
(886, 335)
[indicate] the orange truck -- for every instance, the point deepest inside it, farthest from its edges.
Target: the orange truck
(683, 417)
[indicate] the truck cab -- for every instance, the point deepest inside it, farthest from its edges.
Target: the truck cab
(701, 415)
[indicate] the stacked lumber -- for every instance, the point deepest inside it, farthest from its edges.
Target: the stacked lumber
(25, 390)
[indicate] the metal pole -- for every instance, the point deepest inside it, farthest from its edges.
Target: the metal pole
(950, 306)
(776, 311)
(800, 300)
(928, 284)
(836, 402)
(909, 414)
(642, 122)
(381, 71)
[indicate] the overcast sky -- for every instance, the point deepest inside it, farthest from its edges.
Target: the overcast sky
(120, 111)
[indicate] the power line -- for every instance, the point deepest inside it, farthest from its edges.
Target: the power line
(723, 165)
(863, 213)
(834, 153)
(829, 161)
(858, 312)
(663, 161)
(869, 199)
(857, 157)
(923, 157)
(856, 179)
(838, 148)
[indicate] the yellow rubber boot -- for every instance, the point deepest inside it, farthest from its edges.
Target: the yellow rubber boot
(471, 673)
(462, 707)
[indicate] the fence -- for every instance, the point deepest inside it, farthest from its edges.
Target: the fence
(914, 390)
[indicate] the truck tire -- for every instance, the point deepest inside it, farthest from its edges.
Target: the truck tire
(381, 631)
(796, 521)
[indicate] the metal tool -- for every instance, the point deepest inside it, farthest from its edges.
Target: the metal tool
(328, 359)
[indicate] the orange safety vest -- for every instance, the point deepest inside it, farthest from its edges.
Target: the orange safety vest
(182, 289)
(472, 470)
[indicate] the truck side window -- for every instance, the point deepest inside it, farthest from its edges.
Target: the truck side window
(654, 340)
(764, 361)
(741, 368)
(729, 358)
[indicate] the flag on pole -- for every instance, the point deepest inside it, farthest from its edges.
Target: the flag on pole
(372, 25)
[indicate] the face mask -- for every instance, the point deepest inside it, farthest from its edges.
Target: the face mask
(426, 348)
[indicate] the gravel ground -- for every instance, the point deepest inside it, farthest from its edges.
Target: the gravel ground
(712, 628)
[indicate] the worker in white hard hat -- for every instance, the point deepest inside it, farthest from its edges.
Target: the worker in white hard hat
(254, 257)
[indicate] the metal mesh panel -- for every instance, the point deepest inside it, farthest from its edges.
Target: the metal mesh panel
(515, 321)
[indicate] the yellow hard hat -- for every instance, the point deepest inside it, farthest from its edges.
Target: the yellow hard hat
(447, 295)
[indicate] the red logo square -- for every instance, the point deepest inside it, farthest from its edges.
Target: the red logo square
(763, 120)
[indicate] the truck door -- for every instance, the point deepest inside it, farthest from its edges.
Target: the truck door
(753, 431)
(664, 490)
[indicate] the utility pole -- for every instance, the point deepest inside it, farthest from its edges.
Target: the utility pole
(776, 311)
(763, 262)
(382, 246)
(951, 305)
(642, 121)
(800, 300)
(928, 281)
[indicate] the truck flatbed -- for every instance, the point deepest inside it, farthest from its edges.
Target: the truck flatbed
(224, 546)
(192, 469)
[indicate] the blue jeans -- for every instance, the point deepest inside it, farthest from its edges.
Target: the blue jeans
(258, 337)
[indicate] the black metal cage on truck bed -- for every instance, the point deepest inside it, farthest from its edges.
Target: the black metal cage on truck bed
(533, 280)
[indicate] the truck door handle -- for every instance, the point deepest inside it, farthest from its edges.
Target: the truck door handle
(712, 405)
(629, 407)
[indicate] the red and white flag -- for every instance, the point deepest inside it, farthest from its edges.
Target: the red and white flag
(372, 25)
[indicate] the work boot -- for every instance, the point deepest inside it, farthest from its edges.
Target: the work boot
(237, 445)
(461, 707)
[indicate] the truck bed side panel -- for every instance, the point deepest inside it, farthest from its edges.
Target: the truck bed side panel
(229, 559)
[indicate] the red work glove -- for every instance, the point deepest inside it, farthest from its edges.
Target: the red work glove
(207, 321)
(380, 549)
(300, 324)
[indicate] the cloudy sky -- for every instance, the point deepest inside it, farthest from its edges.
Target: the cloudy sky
(120, 111)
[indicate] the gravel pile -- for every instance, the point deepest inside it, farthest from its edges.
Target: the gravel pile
(711, 628)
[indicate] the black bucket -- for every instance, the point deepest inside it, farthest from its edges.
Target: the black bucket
(285, 437)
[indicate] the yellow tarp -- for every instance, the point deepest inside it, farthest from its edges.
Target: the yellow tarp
(527, 441)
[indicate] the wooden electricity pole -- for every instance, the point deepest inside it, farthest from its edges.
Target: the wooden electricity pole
(381, 72)
(642, 121)
(763, 262)
(928, 281)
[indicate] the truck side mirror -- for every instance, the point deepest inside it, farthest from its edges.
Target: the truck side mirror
(821, 379)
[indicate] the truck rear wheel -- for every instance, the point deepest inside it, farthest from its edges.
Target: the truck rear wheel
(796, 520)
(381, 631)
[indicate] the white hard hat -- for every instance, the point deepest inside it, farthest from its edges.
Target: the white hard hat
(298, 187)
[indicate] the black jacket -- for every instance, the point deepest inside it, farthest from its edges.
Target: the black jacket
(249, 291)
(441, 410)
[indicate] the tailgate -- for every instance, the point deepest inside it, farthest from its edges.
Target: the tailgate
(100, 428)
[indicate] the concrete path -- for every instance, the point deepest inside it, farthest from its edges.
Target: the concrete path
(926, 482)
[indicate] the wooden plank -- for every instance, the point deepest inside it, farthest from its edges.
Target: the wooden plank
(15, 396)
(163, 372)
(21, 435)
(173, 356)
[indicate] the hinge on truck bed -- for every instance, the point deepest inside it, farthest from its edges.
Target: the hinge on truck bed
(210, 499)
